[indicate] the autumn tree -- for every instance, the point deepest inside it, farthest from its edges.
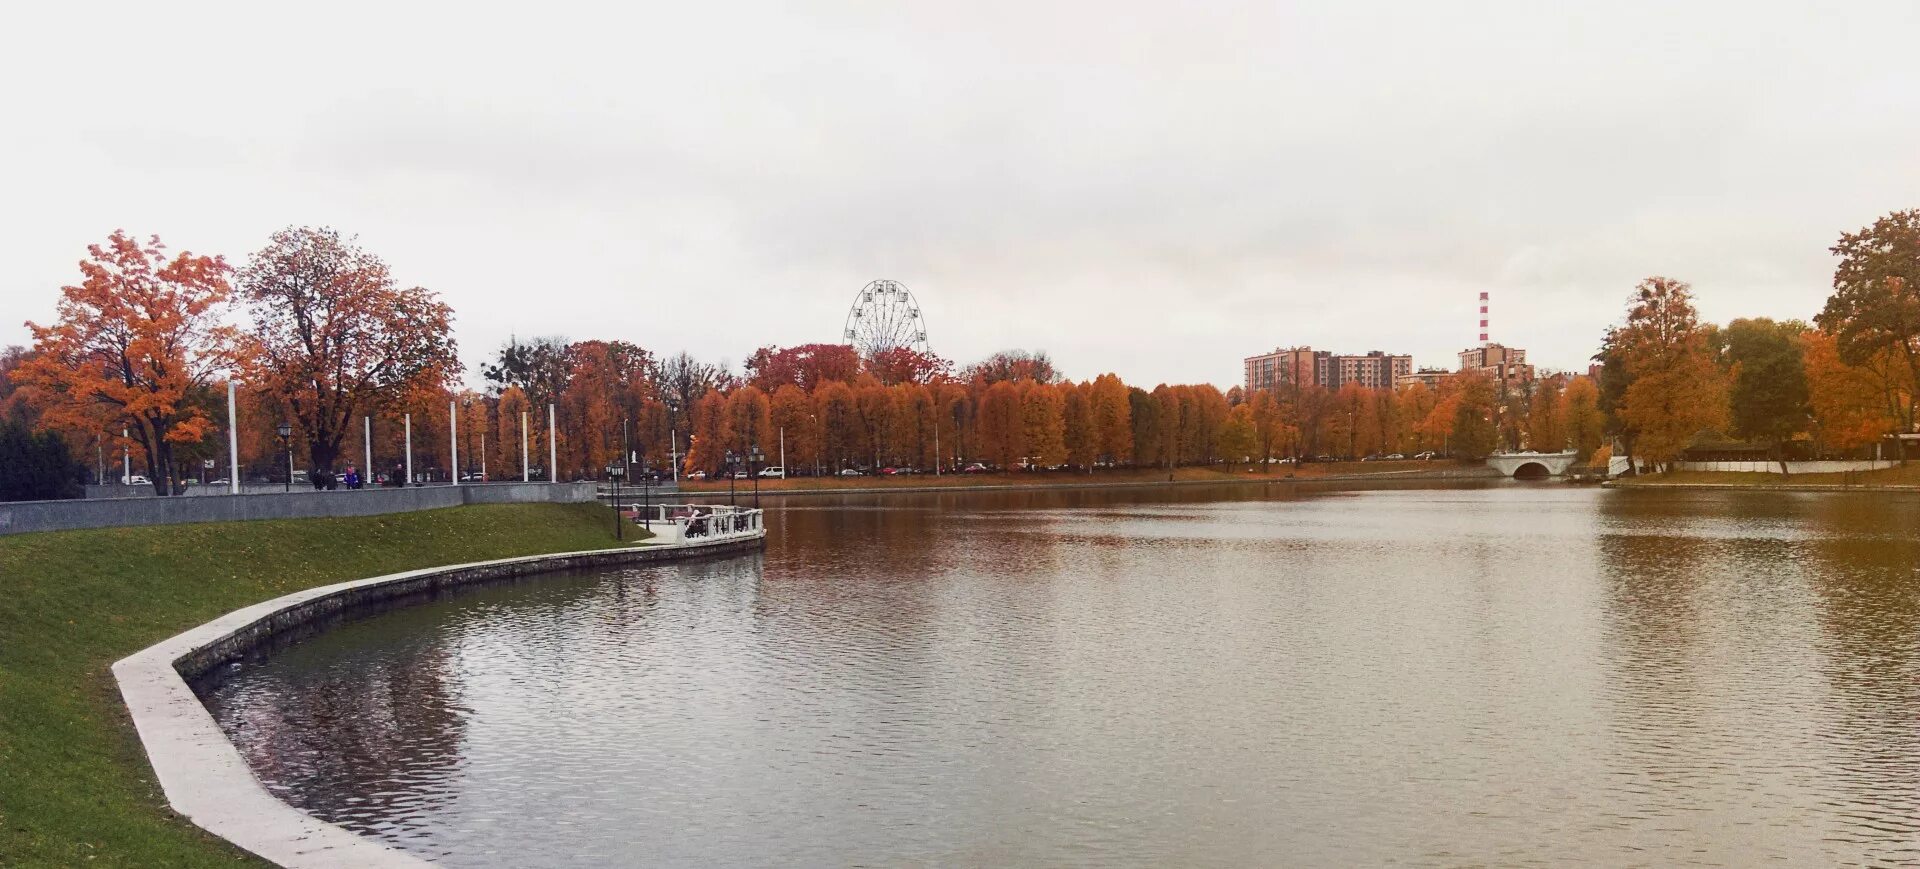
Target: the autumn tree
(684, 380)
(1271, 431)
(1874, 312)
(1145, 413)
(1614, 379)
(1001, 424)
(1585, 425)
(1112, 413)
(1852, 405)
(476, 433)
(541, 367)
(1677, 391)
(1351, 415)
(1768, 399)
(1043, 427)
(806, 366)
(1167, 412)
(712, 434)
(512, 423)
(1014, 365)
(907, 365)
(333, 334)
(791, 414)
(749, 420)
(1076, 416)
(1237, 441)
(1473, 436)
(136, 345)
(1546, 419)
(1416, 405)
(839, 418)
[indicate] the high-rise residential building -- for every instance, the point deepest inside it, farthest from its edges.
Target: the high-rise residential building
(1502, 363)
(1306, 366)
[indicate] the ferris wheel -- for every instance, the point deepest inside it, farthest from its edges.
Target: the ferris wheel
(885, 316)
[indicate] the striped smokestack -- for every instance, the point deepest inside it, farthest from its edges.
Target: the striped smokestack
(1483, 318)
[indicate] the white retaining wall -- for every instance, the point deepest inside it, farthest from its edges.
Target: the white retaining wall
(1835, 467)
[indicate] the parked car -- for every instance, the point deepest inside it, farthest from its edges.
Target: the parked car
(474, 477)
(976, 468)
(697, 475)
(851, 472)
(1396, 457)
(1425, 457)
(1323, 458)
(135, 480)
(773, 473)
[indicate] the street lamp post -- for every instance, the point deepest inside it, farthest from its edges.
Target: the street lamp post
(646, 489)
(614, 472)
(286, 443)
(731, 458)
(756, 458)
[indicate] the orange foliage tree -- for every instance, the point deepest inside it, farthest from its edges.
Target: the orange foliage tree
(1853, 405)
(794, 423)
(1677, 390)
(333, 334)
(1042, 424)
(1000, 425)
(136, 345)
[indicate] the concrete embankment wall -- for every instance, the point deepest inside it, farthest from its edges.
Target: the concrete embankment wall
(1792, 467)
(202, 773)
(745, 495)
(22, 517)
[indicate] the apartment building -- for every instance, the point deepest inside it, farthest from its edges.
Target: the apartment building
(1306, 366)
(1504, 364)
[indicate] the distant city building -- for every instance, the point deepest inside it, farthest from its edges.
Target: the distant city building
(1427, 377)
(1502, 363)
(1306, 366)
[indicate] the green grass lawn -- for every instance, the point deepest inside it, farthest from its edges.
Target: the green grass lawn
(75, 788)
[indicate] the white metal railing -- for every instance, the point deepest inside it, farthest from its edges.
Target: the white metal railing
(698, 523)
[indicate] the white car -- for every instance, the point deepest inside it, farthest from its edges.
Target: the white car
(135, 480)
(774, 473)
(851, 472)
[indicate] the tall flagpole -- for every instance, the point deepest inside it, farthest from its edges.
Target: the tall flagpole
(233, 444)
(453, 440)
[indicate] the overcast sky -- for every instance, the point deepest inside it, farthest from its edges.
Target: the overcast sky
(1153, 189)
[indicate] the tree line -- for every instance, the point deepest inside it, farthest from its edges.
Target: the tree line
(1838, 386)
(320, 337)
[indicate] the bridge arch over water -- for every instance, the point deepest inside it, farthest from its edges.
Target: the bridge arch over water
(1531, 466)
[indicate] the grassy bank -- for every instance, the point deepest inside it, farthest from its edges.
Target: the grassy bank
(1898, 477)
(75, 788)
(1219, 474)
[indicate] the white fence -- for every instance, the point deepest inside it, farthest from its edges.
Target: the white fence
(1840, 467)
(698, 523)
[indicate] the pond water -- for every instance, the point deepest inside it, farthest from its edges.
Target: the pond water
(1495, 674)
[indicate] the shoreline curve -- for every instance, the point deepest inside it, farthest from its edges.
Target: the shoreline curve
(202, 773)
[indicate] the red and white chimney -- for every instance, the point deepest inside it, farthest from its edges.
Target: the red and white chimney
(1483, 318)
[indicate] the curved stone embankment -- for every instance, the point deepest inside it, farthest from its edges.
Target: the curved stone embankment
(204, 776)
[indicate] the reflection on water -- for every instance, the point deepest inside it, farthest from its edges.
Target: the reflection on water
(1507, 674)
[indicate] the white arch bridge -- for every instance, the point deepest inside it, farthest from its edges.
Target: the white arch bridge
(1525, 465)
